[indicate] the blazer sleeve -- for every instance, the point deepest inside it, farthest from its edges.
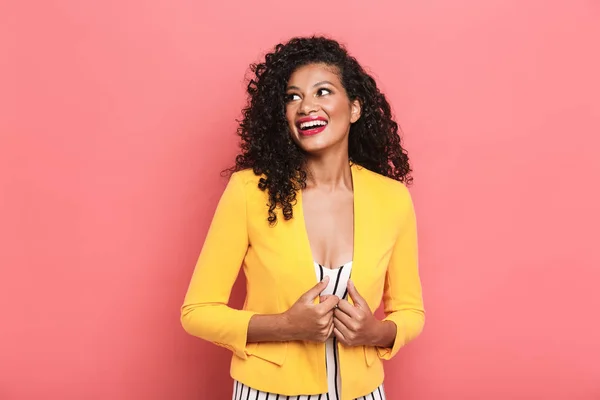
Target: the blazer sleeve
(402, 296)
(205, 312)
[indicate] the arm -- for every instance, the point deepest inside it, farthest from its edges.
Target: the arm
(385, 335)
(402, 296)
(303, 321)
(205, 313)
(268, 328)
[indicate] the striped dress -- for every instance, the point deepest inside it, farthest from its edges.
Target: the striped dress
(338, 281)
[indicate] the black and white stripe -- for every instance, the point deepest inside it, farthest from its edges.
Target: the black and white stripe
(337, 285)
(252, 394)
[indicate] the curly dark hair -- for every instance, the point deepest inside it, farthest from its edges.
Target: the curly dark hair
(266, 145)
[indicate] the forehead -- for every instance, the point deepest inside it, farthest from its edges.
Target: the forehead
(313, 73)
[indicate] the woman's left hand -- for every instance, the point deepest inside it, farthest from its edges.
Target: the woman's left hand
(355, 325)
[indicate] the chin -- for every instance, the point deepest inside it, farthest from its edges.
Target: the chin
(312, 145)
(315, 150)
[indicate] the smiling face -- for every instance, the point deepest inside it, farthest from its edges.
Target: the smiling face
(318, 110)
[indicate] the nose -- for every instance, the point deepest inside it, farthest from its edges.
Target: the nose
(308, 105)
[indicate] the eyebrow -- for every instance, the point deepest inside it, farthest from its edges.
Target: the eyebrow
(315, 85)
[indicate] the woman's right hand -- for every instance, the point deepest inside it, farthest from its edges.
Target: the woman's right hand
(309, 321)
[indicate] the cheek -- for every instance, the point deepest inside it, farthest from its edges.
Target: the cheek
(289, 115)
(340, 116)
(336, 109)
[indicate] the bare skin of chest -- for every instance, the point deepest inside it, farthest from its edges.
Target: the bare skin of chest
(329, 220)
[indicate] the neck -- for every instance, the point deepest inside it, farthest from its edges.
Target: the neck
(329, 172)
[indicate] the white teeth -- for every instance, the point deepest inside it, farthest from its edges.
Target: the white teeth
(310, 124)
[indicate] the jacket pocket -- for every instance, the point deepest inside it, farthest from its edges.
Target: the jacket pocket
(370, 355)
(273, 352)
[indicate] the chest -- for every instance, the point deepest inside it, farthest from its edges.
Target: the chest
(329, 230)
(329, 225)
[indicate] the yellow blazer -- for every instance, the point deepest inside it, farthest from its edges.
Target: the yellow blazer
(278, 265)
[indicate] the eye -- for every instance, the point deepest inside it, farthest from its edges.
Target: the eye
(291, 97)
(323, 92)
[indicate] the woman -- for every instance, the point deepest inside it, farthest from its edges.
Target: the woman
(316, 197)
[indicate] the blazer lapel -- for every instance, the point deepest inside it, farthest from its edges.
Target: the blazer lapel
(304, 258)
(363, 209)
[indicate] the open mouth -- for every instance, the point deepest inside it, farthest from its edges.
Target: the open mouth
(311, 126)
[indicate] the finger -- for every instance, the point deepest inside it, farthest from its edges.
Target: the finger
(356, 297)
(330, 332)
(347, 334)
(348, 309)
(329, 304)
(331, 319)
(327, 318)
(341, 337)
(324, 297)
(344, 318)
(315, 291)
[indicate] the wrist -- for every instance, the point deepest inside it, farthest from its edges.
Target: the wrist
(384, 334)
(285, 327)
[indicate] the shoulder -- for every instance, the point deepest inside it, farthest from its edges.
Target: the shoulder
(383, 186)
(246, 181)
(245, 177)
(387, 197)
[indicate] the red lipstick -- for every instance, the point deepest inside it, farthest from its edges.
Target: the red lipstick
(312, 125)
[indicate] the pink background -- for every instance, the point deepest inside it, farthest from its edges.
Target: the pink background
(116, 118)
